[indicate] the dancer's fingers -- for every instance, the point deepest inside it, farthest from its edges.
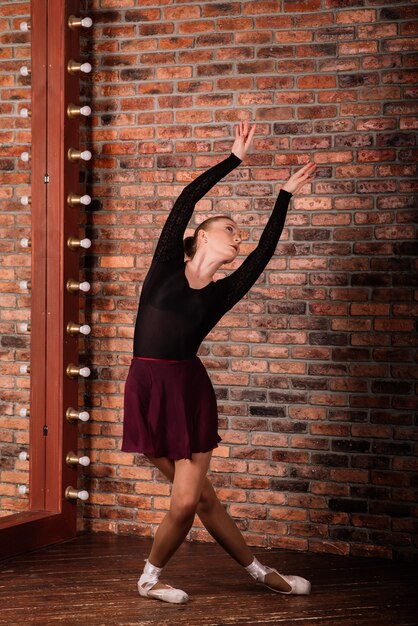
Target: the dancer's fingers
(250, 135)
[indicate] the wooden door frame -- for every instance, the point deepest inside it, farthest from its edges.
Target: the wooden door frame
(51, 517)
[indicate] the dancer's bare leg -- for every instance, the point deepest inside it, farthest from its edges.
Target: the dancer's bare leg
(187, 477)
(219, 524)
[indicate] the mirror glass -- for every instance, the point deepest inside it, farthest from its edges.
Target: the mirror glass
(15, 254)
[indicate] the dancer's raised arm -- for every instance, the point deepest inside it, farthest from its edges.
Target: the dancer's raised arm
(236, 285)
(170, 244)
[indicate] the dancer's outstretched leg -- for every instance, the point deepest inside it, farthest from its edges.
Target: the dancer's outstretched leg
(187, 486)
(224, 530)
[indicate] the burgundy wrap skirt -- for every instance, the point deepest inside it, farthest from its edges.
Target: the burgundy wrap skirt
(170, 408)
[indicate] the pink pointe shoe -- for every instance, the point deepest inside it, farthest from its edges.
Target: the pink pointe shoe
(298, 585)
(149, 579)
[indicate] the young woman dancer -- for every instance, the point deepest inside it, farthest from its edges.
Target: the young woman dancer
(170, 411)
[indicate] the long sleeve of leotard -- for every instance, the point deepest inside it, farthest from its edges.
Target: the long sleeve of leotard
(236, 285)
(170, 243)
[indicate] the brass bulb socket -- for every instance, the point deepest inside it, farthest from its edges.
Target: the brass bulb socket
(73, 243)
(72, 286)
(71, 415)
(71, 458)
(73, 199)
(73, 329)
(72, 370)
(71, 493)
(74, 22)
(74, 154)
(73, 67)
(73, 110)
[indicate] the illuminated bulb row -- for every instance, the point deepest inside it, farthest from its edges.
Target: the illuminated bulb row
(73, 23)
(73, 199)
(72, 285)
(72, 370)
(73, 110)
(71, 415)
(74, 329)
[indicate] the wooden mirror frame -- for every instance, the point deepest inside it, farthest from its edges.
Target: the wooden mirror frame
(51, 517)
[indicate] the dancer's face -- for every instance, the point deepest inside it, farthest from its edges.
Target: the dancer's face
(222, 240)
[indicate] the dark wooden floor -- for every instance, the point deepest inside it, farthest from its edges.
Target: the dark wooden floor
(91, 581)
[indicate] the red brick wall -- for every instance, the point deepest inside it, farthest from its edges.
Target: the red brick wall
(315, 370)
(15, 261)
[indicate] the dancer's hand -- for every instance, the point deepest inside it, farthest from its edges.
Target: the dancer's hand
(243, 139)
(299, 178)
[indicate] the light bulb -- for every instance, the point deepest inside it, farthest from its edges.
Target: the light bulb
(85, 286)
(25, 200)
(25, 112)
(24, 369)
(85, 68)
(24, 412)
(85, 243)
(25, 242)
(25, 284)
(83, 416)
(23, 489)
(24, 327)
(84, 372)
(85, 329)
(23, 456)
(25, 27)
(85, 110)
(24, 70)
(25, 156)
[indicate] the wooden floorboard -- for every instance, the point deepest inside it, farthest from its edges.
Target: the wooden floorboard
(91, 581)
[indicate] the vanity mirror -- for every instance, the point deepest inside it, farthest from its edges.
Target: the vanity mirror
(40, 203)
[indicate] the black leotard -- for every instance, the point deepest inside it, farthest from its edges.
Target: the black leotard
(173, 318)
